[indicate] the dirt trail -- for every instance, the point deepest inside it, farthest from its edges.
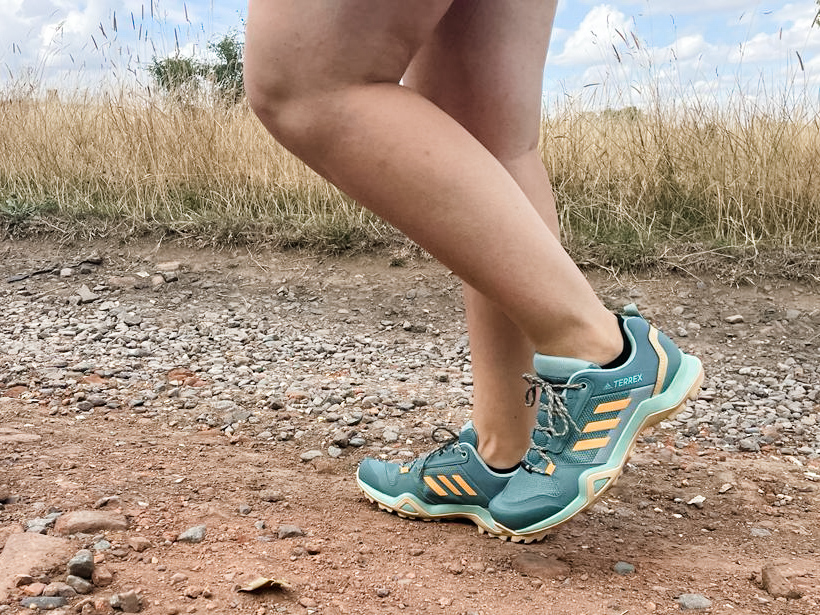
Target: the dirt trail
(168, 473)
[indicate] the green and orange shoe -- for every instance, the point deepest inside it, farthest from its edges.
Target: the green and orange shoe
(588, 421)
(451, 481)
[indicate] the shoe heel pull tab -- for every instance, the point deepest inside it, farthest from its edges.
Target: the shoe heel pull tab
(631, 310)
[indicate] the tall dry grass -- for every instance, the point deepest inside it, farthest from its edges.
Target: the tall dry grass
(630, 182)
(130, 165)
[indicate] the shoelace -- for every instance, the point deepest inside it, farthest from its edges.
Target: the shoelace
(558, 419)
(444, 445)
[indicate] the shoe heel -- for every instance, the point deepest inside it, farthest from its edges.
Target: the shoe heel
(692, 393)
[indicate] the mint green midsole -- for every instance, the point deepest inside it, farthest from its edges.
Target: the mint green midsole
(670, 399)
(480, 516)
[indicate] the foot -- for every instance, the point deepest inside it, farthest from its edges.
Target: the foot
(588, 421)
(451, 481)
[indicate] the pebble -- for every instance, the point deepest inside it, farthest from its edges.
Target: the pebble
(81, 565)
(127, 602)
(692, 602)
(193, 535)
(43, 603)
(623, 568)
(310, 455)
(79, 585)
(289, 531)
(697, 501)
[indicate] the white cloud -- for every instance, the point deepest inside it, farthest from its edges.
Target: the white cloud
(594, 38)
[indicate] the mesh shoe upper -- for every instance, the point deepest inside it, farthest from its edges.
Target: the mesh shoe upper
(454, 473)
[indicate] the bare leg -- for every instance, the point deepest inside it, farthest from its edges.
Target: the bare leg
(483, 65)
(322, 76)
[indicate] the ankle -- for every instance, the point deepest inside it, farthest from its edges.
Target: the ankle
(600, 341)
(502, 457)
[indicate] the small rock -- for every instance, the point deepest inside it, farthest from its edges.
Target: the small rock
(692, 602)
(90, 522)
(289, 531)
(33, 589)
(139, 543)
(244, 509)
(44, 603)
(334, 452)
(759, 532)
(308, 603)
(310, 455)
(79, 585)
(749, 445)
(178, 578)
(777, 585)
(66, 272)
(382, 592)
(64, 590)
(271, 496)
(102, 577)
(82, 564)
(85, 294)
(725, 487)
(735, 319)
(193, 535)
(623, 568)
(127, 602)
(697, 501)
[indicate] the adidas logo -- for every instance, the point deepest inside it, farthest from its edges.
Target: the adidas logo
(453, 485)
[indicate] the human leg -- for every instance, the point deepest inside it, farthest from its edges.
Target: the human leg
(341, 110)
(325, 83)
(483, 66)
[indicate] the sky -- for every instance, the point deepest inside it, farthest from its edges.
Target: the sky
(616, 53)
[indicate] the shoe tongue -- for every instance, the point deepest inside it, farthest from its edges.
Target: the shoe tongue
(468, 435)
(559, 369)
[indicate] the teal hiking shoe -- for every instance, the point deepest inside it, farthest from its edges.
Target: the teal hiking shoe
(451, 481)
(588, 421)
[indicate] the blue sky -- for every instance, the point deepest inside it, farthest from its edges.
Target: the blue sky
(615, 51)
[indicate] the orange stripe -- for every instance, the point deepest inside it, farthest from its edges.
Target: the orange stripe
(612, 406)
(448, 484)
(663, 359)
(434, 486)
(550, 469)
(585, 445)
(601, 425)
(463, 484)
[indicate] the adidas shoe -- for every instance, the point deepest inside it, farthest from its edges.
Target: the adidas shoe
(451, 481)
(588, 421)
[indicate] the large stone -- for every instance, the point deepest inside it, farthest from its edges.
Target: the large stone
(537, 565)
(31, 554)
(776, 584)
(90, 522)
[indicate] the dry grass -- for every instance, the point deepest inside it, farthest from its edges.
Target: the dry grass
(630, 183)
(144, 165)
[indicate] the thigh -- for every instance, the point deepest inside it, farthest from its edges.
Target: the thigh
(484, 66)
(298, 45)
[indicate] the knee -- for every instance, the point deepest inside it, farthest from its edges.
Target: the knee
(274, 96)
